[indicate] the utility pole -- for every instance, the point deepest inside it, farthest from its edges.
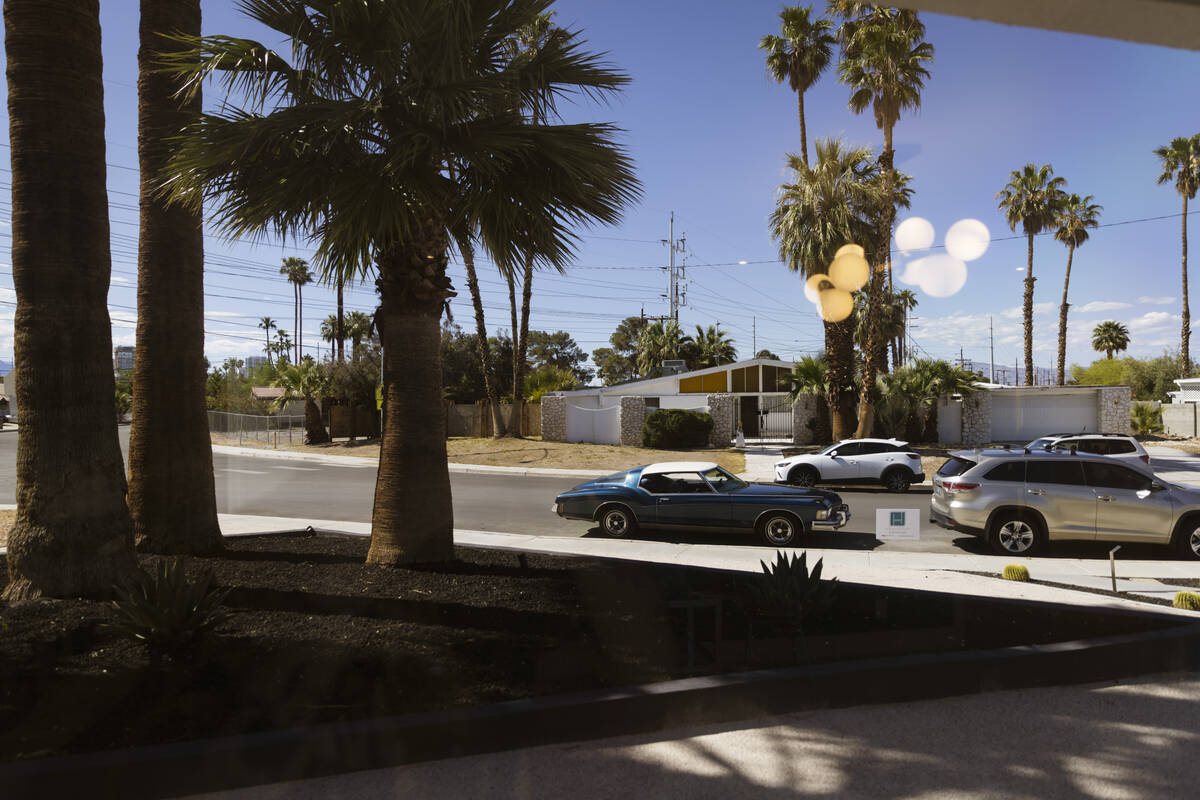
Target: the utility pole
(992, 347)
(676, 276)
(754, 334)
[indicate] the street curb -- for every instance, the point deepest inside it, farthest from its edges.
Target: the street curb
(290, 455)
(257, 759)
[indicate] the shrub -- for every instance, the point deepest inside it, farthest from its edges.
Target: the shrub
(1187, 600)
(787, 590)
(676, 428)
(1016, 572)
(1146, 417)
(165, 609)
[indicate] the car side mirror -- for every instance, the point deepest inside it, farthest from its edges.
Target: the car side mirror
(833, 454)
(1158, 487)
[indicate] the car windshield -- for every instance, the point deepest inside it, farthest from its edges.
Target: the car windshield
(722, 481)
(1038, 444)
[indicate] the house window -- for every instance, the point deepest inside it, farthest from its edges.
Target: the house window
(691, 385)
(651, 402)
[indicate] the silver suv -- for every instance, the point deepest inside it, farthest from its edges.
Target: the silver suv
(1021, 499)
(1120, 446)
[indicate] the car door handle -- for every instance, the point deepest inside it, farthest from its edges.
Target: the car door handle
(1107, 498)
(663, 499)
(1036, 491)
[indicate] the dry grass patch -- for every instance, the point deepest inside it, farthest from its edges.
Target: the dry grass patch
(7, 518)
(532, 452)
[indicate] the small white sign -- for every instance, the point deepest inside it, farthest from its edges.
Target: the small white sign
(897, 523)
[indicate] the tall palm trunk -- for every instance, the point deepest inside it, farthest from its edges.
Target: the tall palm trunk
(296, 320)
(519, 352)
(413, 518)
(1062, 320)
(341, 322)
(803, 129)
(481, 337)
(866, 412)
(1185, 332)
(299, 322)
(73, 534)
(1029, 314)
(172, 495)
(839, 349)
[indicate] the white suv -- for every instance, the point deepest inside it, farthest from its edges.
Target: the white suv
(887, 461)
(1114, 445)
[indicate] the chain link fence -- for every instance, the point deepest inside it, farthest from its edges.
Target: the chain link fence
(271, 431)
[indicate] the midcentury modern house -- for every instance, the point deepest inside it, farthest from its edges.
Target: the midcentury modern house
(758, 385)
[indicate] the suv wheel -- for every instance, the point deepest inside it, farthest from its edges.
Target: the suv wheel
(897, 479)
(1014, 534)
(1188, 539)
(803, 476)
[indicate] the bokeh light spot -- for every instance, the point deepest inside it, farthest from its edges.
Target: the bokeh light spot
(914, 233)
(836, 304)
(940, 275)
(967, 239)
(849, 271)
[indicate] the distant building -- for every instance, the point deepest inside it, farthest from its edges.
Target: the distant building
(123, 358)
(10, 391)
(252, 363)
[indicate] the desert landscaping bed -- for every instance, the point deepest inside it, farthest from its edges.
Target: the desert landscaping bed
(314, 635)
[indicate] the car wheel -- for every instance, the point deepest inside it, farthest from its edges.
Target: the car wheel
(897, 480)
(618, 522)
(780, 529)
(1013, 534)
(803, 476)
(1187, 540)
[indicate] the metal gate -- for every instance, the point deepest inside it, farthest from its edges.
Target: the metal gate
(775, 417)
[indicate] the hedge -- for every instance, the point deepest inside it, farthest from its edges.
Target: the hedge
(676, 428)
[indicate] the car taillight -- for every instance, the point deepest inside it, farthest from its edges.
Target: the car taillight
(959, 486)
(913, 455)
(1145, 458)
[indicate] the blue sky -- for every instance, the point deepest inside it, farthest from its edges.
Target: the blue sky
(708, 130)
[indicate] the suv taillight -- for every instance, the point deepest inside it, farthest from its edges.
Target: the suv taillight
(913, 455)
(1144, 458)
(959, 486)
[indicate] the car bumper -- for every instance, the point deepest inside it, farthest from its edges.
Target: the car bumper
(947, 522)
(838, 517)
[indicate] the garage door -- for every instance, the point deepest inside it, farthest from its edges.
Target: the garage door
(1022, 417)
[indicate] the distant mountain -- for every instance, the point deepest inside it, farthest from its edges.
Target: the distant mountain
(5, 366)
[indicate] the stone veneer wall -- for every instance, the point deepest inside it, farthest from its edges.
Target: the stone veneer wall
(554, 418)
(977, 418)
(633, 415)
(1114, 409)
(720, 408)
(804, 411)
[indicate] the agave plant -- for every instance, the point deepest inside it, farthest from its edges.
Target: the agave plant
(165, 609)
(788, 592)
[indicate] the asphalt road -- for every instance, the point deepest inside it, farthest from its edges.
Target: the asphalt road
(515, 504)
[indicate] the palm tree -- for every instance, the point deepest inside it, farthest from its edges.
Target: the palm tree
(713, 347)
(810, 376)
(1181, 163)
(172, 493)
(358, 327)
(377, 153)
(295, 269)
(283, 346)
(73, 534)
(799, 55)
(931, 379)
(329, 331)
(1031, 199)
(267, 324)
(906, 301)
(883, 62)
(536, 37)
(659, 342)
(891, 327)
(828, 205)
(1076, 216)
(309, 381)
(1111, 337)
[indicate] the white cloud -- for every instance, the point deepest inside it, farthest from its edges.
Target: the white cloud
(1103, 305)
(1151, 320)
(1156, 301)
(220, 314)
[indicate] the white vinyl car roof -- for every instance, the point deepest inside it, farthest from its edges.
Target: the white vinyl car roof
(678, 466)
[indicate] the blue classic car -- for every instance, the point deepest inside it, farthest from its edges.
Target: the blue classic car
(700, 494)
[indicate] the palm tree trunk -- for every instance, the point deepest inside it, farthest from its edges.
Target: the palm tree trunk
(1062, 320)
(1029, 314)
(295, 320)
(803, 130)
(485, 361)
(299, 322)
(519, 352)
(839, 350)
(172, 495)
(341, 321)
(413, 519)
(1185, 332)
(866, 413)
(72, 535)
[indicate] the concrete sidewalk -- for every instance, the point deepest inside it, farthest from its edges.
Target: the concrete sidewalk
(1134, 739)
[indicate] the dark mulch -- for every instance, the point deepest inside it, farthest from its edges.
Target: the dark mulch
(315, 635)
